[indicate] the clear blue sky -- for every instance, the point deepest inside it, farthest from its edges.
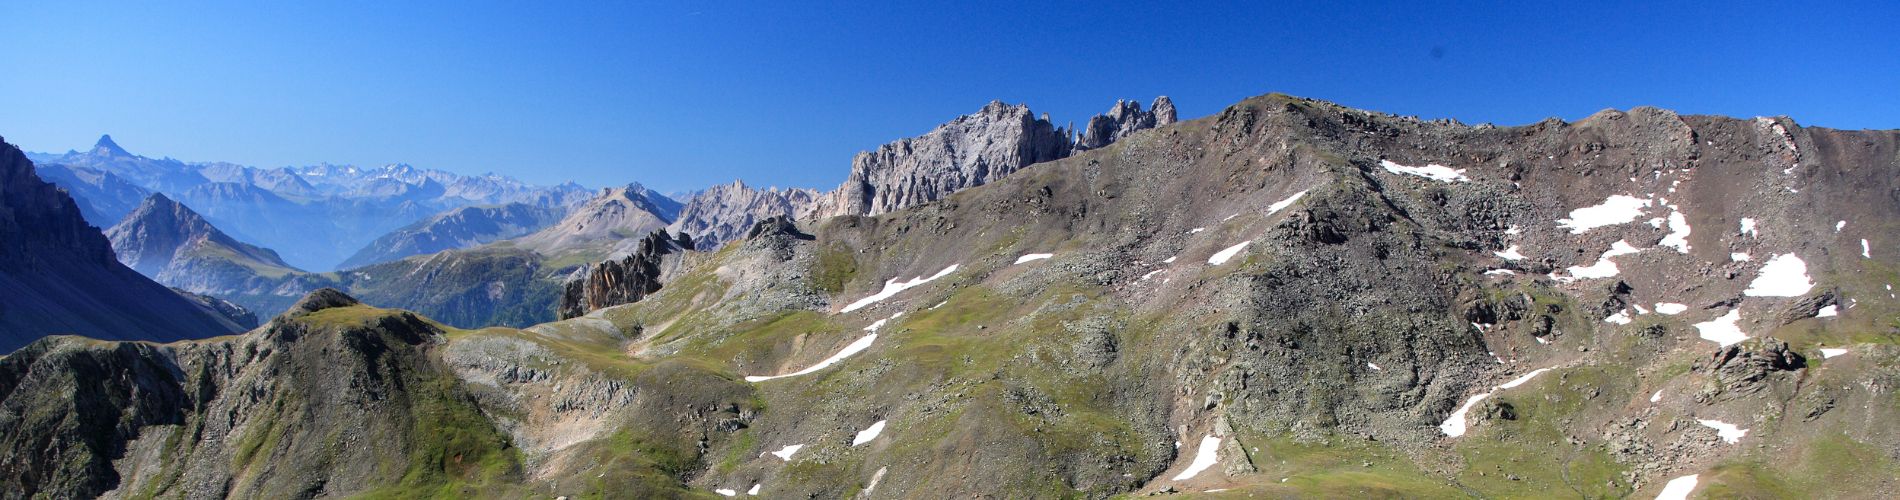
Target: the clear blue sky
(685, 95)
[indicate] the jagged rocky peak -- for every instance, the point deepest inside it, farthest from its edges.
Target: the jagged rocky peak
(973, 150)
(1126, 117)
(625, 281)
(723, 213)
(969, 151)
(106, 147)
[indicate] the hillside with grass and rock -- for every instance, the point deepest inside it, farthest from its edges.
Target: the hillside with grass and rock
(1288, 298)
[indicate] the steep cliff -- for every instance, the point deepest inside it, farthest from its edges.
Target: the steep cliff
(170, 243)
(624, 281)
(723, 213)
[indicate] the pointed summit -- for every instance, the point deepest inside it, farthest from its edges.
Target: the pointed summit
(105, 147)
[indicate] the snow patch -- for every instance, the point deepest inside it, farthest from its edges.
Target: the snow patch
(868, 434)
(1282, 204)
(1510, 254)
(1604, 267)
(1678, 237)
(1617, 209)
(1828, 312)
(1221, 257)
(1729, 432)
(1196, 230)
(854, 347)
(1865, 252)
(726, 492)
(1723, 330)
(1170, 260)
(1656, 397)
(1432, 171)
(1204, 457)
(1150, 274)
(1785, 275)
(1839, 225)
(1033, 257)
(1671, 308)
(1678, 488)
(786, 452)
(1620, 318)
(1513, 230)
(892, 287)
(1739, 257)
(1828, 352)
(1499, 272)
(1748, 227)
(1454, 426)
(1374, 367)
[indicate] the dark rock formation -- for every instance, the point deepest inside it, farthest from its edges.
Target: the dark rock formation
(625, 281)
(1126, 117)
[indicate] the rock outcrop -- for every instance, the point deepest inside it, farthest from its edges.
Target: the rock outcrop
(973, 150)
(1125, 118)
(58, 274)
(969, 151)
(723, 213)
(624, 281)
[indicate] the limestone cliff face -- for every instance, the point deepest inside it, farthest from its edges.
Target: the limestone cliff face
(614, 282)
(58, 274)
(973, 150)
(723, 213)
(969, 151)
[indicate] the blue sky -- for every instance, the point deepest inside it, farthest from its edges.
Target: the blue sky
(683, 95)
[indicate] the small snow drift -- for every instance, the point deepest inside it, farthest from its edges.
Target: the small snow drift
(754, 491)
(786, 452)
(892, 287)
(1670, 308)
(1865, 252)
(1221, 257)
(1617, 209)
(1033, 257)
(1510, 254)
(1828, 352)
(854, 347)
(1431, 171)
(868, 434)
(1454, 425)
(1603, 268)
(1748, 227)
(1828, 312)
(1620, 318)
(1656, 397)
(1723, 330)
(1738, 257)
(1374, 367)
(1204, 457)
(1729, 432)
(1678, 237)
(1678, 488)
(1282, 204)
(1785, 275)
(727, 492)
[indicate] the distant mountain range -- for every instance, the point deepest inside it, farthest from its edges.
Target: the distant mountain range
(316, 216)
(58, 274)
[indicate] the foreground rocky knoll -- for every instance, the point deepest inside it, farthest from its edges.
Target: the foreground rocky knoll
(1288, 298)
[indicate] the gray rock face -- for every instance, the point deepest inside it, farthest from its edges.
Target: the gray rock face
(622, 213)
(724, 212)
(973, 150)
(58, 274)
(969, 151)
(1126, 117)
